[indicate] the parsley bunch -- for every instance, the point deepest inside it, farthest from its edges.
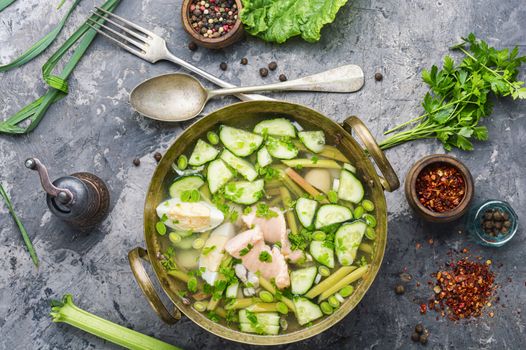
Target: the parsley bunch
(459, 95)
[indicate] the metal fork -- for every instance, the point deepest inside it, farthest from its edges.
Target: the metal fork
(151, 47)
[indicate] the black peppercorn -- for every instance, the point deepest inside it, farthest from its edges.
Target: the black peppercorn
(378, 76)
(419, 328)
(282, 77)
(497, 215)
(192, 46)
(263, 72)
(399, 289)
(423, 339)
(244, 61)
(415, 337)
(272, 65)
(223, 66)
(136, 161)
(157, 156)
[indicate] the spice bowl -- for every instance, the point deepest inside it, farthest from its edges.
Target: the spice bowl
(507, 223)
(439, 188)
(214, 18)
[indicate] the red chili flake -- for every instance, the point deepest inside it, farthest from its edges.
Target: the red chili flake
(440, 187)
(465, 289)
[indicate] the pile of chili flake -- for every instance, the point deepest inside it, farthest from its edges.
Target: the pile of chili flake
(464, 290)
(440, 187)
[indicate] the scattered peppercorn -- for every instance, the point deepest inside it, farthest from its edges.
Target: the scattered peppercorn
(495, 222)
(282, 77)
(213, 18)
(378, 76)
(415, 337)
(223, 66)
(136, 161)
(423, 339)
(263, 72)
(244, 61)
(157, 156)
(192, 46)
(272, 65)
(440, 187)
(419, 328)
(399, 289)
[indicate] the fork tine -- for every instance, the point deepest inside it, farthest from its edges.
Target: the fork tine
(133, 25)
(127, 30)
(140, 45)
(120, 43)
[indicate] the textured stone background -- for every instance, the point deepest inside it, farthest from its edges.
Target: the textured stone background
(94, 129)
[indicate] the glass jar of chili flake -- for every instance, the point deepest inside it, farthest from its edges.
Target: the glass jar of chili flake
(506, 224)
(439, 188)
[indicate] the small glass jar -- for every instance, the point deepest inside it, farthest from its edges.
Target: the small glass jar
(476, 217)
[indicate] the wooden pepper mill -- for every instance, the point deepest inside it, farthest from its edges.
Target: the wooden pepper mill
(81, 199)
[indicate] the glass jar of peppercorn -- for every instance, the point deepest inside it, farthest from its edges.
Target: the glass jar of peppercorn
(492, 223)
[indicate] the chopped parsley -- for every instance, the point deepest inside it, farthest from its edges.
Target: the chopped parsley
(314, 159)
(332, 196)
(362, 261)
(300, 240)
(164, 217)
(263, 211)
(208, 250)
(265, 256)
(213, 316)
(269, 173)
(190, 196)
(247, 210)
(192, 284)
(245, 250)
(168, 262)
(320, 197)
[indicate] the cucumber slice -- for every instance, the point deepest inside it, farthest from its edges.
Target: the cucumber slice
(217, 175)
(264, 318)
(242, 166)
(264, 158)
(320, 253)
(347, 240)
(187, 259)
(313, 140)
(332, 214)
(305, 210)
(244, 192)
(185, 183)
(202, 153)
(350, 188)
(349, 167)
(186, 243)
(301, 280)
(281, 149)
(276, 127)
(240, 142)
(231, 290)
(306, 310)
(264, 329)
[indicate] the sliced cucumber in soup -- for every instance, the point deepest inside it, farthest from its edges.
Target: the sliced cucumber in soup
(244, 192)
(301, 280)
(305, 210)
(186, 242)
(322, 254)
(187, 259)
(264, 158)
(240, 142)
(242, 166)
(217, 175)
(350, 188)
(306, 310)
(332, 214)
(281, 149)
(263, 329)
(347, 240)
(276, 127)
(313, 140)
(266, 322)
(202, 153)
(185, 183)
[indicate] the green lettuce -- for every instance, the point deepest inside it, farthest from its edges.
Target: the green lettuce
(279, 20)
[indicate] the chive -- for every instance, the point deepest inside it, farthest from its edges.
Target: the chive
(40, 45)
(35, 111)
(367, 205)
(326, 308)
(282, 308)
(333, 302)
(174, 237)
(200, 306)
(182, 162)
(21, 227)
(370, 220)
(324, 271)
(5, 3)
(266, 296)
(346, 291)
(212, 138)
(161, 228)
(370, 233)
(358, 212)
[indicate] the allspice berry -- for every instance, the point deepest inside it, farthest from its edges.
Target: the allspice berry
(378, 76)
(399, 289)
(272, 65)
(157, 156)
(263, 72)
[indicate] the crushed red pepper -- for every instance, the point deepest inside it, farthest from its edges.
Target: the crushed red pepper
(464, 290)
(440, 187)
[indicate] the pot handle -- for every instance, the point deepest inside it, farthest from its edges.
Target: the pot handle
(136, 257)
(389, 180)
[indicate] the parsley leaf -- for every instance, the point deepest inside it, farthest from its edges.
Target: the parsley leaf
(263, 211)
(245, 250)
(265, 256)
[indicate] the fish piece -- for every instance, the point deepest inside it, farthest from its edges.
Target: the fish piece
(277, 268)
(213, 251)
(189, 216)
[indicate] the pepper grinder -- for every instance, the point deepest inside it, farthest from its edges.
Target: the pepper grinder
(81, 199)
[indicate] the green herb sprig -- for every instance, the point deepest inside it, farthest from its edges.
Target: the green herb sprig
(459, 95)
(21, 227)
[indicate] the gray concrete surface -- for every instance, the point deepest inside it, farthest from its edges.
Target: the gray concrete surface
(94, 129)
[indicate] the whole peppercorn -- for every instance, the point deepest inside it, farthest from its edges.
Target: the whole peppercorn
(263, 72)
(399, 289)
(282, 77)
(415, 337)
(423, 339)
(419, 328)
(136, 161)
(157, 156)
(192, 46)
(378, 76)
(223, 66)
(272, 65)
(497, 215)
(244, 61)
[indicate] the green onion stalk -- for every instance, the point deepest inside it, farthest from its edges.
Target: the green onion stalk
(67, 312)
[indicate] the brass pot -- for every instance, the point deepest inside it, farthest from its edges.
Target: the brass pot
(236, 115)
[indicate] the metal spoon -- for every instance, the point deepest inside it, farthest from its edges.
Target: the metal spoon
(178, 96)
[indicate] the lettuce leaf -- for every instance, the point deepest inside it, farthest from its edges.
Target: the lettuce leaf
(279, 20)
